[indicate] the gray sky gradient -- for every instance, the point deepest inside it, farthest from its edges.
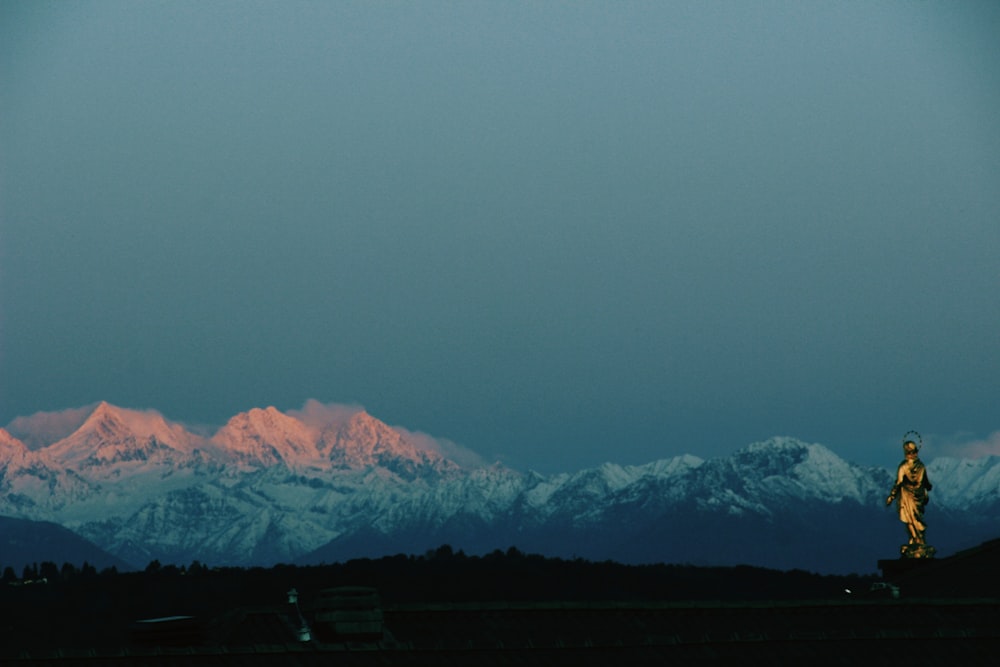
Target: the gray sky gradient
(556, 233)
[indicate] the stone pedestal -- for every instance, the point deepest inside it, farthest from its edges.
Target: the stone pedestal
(917, 551)
(897, 567)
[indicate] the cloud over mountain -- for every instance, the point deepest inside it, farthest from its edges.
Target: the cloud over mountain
(964, 447)
(44, 428)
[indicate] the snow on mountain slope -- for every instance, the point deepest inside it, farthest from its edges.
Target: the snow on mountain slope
(586, 496)
(363, 441)
(786, 467)
(262, 438)
(265, 486)
(113, 435)
(662, 484)
(220, 523)
(271, 487)
(965, 484)
(489, 493)
(32, 486)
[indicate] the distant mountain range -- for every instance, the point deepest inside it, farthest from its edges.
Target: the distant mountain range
(271, 487)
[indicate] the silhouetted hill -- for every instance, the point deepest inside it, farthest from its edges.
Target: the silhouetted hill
(24, 542)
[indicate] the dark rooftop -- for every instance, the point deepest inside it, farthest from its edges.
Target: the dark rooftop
(948, 612)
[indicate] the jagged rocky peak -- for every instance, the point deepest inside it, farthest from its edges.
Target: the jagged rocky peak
(774, 455)
(363, 440)
(267, 437)
(110, 421)
(357, 438)
(808, 468)
(782, 454)
(363, 427)
(111, 434)
(105, 420)
(265, 421)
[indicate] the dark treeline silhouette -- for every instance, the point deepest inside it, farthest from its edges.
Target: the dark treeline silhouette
(446, 575)
(48, 571)
(85, 607)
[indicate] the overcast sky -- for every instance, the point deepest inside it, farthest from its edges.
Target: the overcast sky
(556, 233)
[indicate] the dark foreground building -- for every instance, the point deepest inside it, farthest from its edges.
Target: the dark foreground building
(944, 611)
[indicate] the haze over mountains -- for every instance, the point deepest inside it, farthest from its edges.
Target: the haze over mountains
(327, 484)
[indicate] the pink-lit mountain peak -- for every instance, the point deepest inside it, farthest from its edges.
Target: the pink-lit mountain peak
(268, 423)
(318, 437)
(105, 421)
(144, 425)
(362, 425)
(364, 440)
(112, 434)
(361, 432)
(267, 436)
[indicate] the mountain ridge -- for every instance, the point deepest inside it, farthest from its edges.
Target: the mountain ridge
(272, 487)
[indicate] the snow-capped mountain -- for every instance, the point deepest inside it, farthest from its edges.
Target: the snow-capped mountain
(271, 486)
(263, 438)
(113, 439)
(363, 441)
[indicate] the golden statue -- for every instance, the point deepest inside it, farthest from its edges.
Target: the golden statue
(910, 491)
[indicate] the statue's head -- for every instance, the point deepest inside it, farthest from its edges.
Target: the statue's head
(910, 448)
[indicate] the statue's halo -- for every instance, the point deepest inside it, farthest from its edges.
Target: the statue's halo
(919, 441)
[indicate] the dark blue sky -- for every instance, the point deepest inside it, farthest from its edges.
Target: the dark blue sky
(556, 233)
